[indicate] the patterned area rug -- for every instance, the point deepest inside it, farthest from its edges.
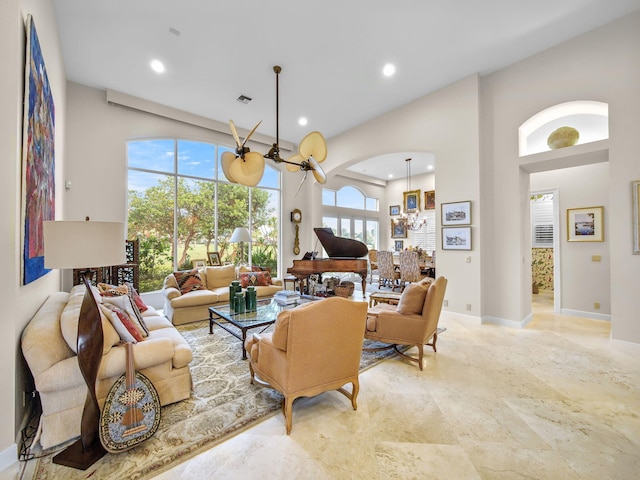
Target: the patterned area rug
(222, 404)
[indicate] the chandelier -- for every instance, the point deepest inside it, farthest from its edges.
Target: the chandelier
(412, 219)
(246, 167)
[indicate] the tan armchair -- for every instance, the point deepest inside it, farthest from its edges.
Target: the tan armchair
(414, 321)
(314, 348)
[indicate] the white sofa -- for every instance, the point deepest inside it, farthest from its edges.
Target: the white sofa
(48, 344)
(193, 306)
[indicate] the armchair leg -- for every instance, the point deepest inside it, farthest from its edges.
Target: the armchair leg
(287, 410)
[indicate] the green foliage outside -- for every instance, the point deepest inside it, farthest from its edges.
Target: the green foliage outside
(151, 219)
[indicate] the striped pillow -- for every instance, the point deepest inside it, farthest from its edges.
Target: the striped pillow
(188, 281)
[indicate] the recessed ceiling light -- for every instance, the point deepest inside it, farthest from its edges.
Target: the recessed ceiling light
(391, 175)
(389, 69)
(430, 167)
(302, 121)
(157, 66)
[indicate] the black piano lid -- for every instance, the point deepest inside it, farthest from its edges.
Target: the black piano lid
(340, 247)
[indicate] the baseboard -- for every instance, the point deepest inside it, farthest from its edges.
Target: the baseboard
(578, 313)
(8, 457)
(486, 319)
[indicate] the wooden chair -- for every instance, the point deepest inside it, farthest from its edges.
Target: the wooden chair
(414, 321)
(314, 347)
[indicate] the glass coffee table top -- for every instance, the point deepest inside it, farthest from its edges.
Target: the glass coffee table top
(265, 314)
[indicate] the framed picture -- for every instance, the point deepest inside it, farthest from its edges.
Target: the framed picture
(200, 263)
(398, 228)
(585, 224)
(399, 245)
(412, 201)
(430, 200)
(456, 213)
(636, 217)
(214, 258)
(456, 238)
(394, 210)
(38, 162)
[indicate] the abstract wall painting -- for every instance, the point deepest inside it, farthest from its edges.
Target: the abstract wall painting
(38, 166)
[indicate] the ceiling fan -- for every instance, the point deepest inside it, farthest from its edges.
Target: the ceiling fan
(246, 167)
(243, 166)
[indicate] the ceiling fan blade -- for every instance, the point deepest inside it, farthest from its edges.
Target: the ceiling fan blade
(318, 173)
(251, 132)
(248, 171)
(296, 159)
(227, 160)
(303, 179)
(234, 131)
(313, 145)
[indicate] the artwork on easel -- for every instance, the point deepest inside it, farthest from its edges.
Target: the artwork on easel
(38, 166)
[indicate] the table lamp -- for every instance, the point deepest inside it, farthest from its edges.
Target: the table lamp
(77, 244)
(241, 235)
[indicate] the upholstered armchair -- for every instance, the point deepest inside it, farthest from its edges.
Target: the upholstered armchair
(313, 348)
(414, 321)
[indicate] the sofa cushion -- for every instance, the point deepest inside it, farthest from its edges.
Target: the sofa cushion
(220, 276)
(255, 279)
(71, 315)
(412, 299)
(188, 281)
(195, 298)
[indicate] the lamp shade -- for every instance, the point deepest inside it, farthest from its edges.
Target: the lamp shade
(240, 234)
(77, 244)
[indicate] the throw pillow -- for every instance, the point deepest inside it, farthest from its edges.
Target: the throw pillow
(412, 299)
(122, 323)
(256, 268)
(107, 290)
(256, 279)
(127, 305)
(70, 317)
(188, 281)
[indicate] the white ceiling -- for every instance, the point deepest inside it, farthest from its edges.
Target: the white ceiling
(331, 52)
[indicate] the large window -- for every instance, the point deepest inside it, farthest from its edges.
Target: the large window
(351, 221)
(181, 207)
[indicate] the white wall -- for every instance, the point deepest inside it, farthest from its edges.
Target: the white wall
(447, 124)
(584, 282)
(601, 65)
(21, 302)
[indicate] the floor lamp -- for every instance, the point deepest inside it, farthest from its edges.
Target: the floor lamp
(241, 235)
(69, 244)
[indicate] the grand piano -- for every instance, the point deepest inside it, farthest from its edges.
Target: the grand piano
(345, 255)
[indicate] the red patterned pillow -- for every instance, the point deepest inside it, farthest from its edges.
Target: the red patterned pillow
(256, 279)
(256, 268)
(188, 281)
(135, 296)
(122, 323)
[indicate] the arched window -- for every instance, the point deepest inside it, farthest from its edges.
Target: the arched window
(352, 217)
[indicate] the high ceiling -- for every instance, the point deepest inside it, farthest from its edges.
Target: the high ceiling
(331, 52)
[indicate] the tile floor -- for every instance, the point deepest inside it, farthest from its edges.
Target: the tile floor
(555, 400)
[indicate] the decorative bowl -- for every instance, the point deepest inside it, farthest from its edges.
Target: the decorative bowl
(563, 137)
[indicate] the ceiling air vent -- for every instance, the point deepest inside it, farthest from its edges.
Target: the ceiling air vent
(243, 99)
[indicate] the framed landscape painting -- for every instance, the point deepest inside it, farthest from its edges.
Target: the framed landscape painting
(38, 169)
(456, 213)
(585, 224)
(456, 238)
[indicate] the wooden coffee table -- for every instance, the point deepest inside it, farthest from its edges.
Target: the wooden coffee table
(238, 324)
(384, 297)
